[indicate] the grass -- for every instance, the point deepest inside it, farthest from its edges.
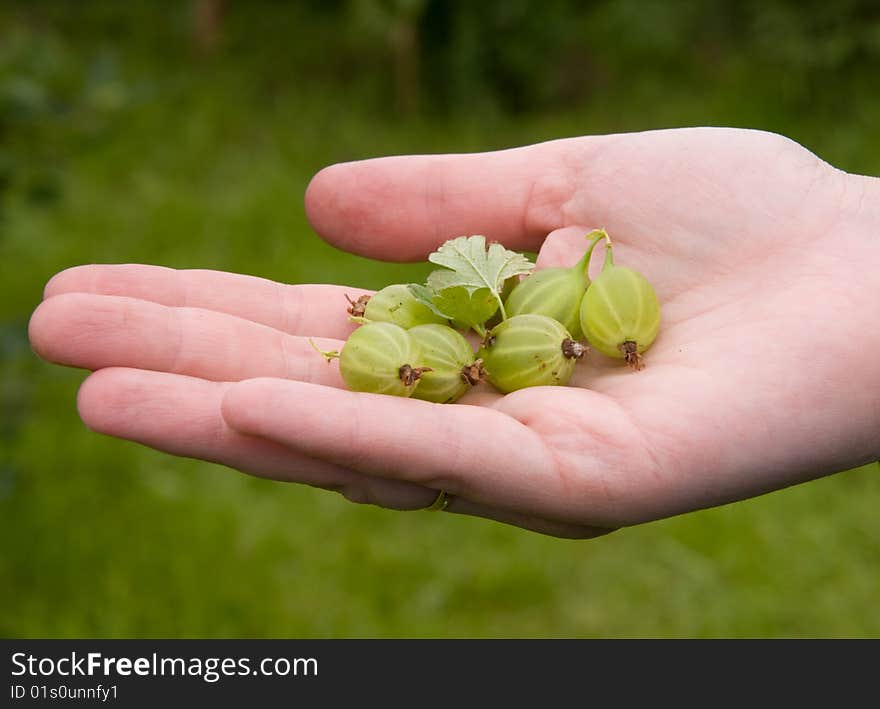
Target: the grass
(103, 538)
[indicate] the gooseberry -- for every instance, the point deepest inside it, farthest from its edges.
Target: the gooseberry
(395, 304)
(620, 312)
(555, 292)
(454, 368)
(381, 358)
(529, 350)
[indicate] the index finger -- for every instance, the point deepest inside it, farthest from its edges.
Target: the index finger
(401, 208)
(315, 309)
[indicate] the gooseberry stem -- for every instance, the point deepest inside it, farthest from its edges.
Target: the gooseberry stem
(609, 253)
(328, 355)
(583, 266)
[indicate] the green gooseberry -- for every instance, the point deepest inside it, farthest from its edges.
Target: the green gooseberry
(555, 292)
(395, 304)
(620, 312)
(529, 350)
(381, 358)
(454, 368)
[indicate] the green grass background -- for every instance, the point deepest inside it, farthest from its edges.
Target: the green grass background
(162, 156)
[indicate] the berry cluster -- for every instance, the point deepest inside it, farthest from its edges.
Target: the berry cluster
(531, 325)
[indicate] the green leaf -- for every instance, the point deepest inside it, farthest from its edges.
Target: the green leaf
(473, 266)
(467, 309)
(425, 296)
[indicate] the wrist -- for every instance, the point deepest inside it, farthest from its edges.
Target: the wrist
(859, 233)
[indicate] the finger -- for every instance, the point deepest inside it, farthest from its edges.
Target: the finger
(401, 208)
(309, 309)
(96, 331)
(181, 415)
(473, 452)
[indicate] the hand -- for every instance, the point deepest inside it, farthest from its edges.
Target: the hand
(765, 373)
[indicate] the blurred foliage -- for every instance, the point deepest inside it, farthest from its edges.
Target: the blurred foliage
(49, 99)
(185, 134)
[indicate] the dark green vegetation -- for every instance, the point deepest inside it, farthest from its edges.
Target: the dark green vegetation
(122, 141)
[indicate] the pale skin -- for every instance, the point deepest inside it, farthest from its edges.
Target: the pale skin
(765, 372)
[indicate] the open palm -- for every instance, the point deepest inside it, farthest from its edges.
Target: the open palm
(764, 373)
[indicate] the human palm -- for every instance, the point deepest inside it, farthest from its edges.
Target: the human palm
(764, 259)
